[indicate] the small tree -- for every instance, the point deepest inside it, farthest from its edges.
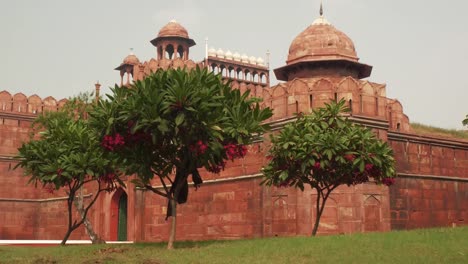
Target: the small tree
(67, 155)
(465, 121)
(326, 150)
(173, 123)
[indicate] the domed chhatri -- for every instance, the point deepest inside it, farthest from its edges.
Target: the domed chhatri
(131, 59)
(173, 30)
(321, 48)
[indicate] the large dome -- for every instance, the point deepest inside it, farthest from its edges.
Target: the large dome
(173, 29)
(321, 41)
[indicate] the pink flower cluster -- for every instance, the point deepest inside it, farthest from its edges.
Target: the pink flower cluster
(234, 151)
(108, 178)
(217, 168)
(388, 181)
(317, 165)
(198, 148)
(110, 142)
(349, 157)
(372, 170)
(49, 188)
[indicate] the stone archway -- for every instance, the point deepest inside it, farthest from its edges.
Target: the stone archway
(372, 215)
(118, 221)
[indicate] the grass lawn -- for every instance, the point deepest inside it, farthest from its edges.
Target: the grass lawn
(449, 245)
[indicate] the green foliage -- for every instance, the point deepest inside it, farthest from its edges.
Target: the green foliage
(465, 121)
(325, 149)
(177, 120)
(66, 153)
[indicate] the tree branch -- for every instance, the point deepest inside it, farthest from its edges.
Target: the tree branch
(156, 191)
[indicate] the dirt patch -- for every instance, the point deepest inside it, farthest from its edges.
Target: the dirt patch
(98, 261)
(44, 260)
(152, 261)
(112, 250)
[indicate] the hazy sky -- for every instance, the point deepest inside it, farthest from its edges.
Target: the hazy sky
(419, 48)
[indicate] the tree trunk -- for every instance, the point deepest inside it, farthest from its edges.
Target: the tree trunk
(70, 217)
(170, 243)
(95, 239)
(67, 235)
(319, 208)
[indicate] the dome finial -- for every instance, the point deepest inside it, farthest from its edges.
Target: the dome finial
(131, 51)
(321, 9)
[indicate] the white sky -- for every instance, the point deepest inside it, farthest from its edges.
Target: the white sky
(418, 47)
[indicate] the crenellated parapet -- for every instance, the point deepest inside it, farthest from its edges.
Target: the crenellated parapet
(302, 94)
(21, 104)
(397, 119)
(148, 67)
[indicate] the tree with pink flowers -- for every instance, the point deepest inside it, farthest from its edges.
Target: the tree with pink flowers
(64, 153)
(174, 122)
(325, 150)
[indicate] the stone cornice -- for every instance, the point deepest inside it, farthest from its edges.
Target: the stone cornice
(40, 200)
(369, 122)
(433, 141)
(431, 177)
(8, 158)
(18, 116)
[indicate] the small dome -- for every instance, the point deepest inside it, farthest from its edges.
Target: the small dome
(131, 59)
(220, 53)
(321, 41)
(212, 52)
(245, 58)
(173, 29)
(228, 55)
(236, 56)
(260, 61)
(252, 60)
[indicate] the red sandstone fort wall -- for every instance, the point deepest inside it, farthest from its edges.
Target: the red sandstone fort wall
(432, 189)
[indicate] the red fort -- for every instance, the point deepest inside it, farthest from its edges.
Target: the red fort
(322, 65)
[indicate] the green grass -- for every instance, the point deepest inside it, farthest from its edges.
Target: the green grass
(436, 131)
(449, 245)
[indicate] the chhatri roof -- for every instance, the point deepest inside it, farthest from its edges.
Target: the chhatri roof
(131, 59)
(173, 30)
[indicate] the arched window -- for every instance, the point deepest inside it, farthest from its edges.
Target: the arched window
(248, 76)
(361, 104)
(263, 78)
(376, 106)
(180, 52)
(239, 74)
(231, 72)
(223, 71)
(169, 52)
